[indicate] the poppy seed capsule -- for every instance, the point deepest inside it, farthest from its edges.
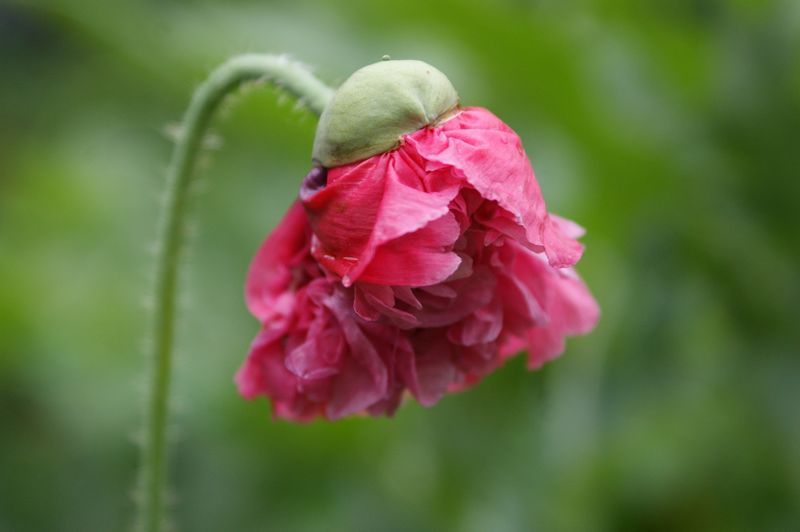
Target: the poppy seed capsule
(376, 106)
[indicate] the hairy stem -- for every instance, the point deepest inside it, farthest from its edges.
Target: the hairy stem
(295, 79)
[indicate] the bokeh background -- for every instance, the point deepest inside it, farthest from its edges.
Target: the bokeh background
(669, 129)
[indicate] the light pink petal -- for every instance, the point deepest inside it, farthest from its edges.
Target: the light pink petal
(562, 251)
(572, 311)
(490, 157)
(568, 227)
(567, 303)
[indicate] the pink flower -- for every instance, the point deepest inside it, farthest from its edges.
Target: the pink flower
(422, 268)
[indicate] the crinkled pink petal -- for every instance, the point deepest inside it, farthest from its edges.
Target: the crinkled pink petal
(258, 373)
(420, 258)
(567, 303)
(475, 362)
(481, 327)
(368, 299)
(567, 227)
(354, 390)
(522, 309)
(572, 311)
(270, 271)
(319, 356)
(371, 302)
(367, 204)
(562, 251)
(471, 294)
(406, 295)
(490, 157)
(432, 370)
(363, 379)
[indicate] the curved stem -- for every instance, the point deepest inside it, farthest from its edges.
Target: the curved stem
(295, 79)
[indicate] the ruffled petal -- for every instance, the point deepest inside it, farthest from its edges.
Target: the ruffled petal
(368, 204)
(432, 371)
(464, 297)
(274, 266)
(490, 157)
(420, 258)
(363, 379)
(481, 327)
(566, 302)
(371, 302)
(263, 370)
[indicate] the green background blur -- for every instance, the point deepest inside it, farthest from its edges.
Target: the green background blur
(669, 129)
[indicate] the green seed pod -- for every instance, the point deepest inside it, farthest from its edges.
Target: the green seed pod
(376, 106)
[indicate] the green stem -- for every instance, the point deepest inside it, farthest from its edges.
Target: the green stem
(295, 79)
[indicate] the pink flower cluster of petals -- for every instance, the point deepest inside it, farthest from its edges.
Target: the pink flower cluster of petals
(418, 270)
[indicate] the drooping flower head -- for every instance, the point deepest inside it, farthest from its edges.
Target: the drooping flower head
(419, 256)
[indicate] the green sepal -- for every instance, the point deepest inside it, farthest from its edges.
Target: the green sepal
(376, 106)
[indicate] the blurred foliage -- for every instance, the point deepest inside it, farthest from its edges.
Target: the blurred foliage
(668, 128)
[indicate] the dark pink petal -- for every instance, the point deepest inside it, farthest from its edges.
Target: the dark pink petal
(371, 302)
(369, 298)
(271, 272)
(354, 390)
(439, 290)
(481, 327)
(319, 356)
(264, 372)
(475, 362)
(470, 294)
(406, 295)
(567, 304)
(363, 379)
(572, 311)
(432, 370)
(522, 309)
(420, 258)
(367, 204)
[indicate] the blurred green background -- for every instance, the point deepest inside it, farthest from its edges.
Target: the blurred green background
(669, 129)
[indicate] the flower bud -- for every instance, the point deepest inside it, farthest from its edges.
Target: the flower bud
(376, 106)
